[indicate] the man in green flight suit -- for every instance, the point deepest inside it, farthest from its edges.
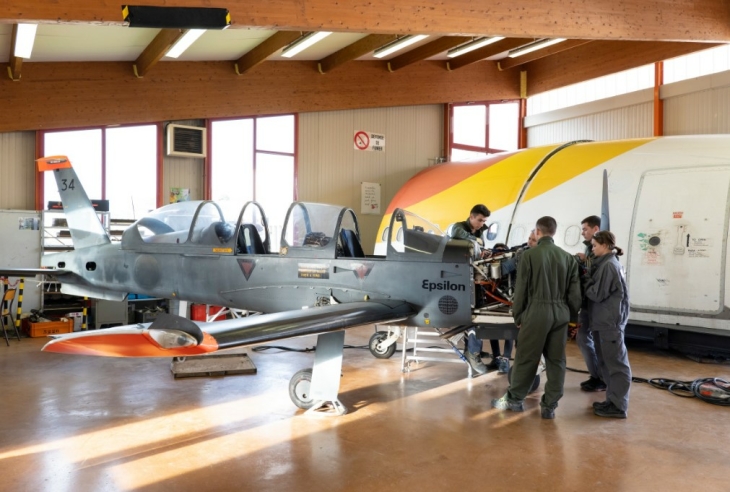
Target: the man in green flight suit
(547, 297)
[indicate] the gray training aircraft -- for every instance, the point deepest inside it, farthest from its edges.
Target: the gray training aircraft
(320, 282)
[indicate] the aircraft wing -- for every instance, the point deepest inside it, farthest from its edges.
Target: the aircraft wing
(31, 272)
(173, 336)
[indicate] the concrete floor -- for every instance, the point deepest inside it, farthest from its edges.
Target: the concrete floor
(94, 424)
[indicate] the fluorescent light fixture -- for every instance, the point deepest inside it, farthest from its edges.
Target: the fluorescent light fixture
(398, 44)
(303, 43)
(190, 36)
(472, 45)
(24, 40)
(537, 45)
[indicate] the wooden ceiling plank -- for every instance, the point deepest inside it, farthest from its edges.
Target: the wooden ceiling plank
(425, 51)
(508, 63)
(156, 50)
(600, 58)
(354, 50)
(262, 51)
(15, 62)
(487, 51)
(650, 20)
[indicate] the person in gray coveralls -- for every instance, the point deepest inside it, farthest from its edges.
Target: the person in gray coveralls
(608, 308)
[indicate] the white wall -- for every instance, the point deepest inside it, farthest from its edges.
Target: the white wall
(698, 106)
(17, 170)
(330, 170)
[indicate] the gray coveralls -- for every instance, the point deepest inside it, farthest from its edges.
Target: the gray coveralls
(584, 337)
(547, 297)
(608, 307)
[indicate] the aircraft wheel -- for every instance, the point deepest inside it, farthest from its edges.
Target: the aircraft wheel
(535, 382)
(299, 389)
(378, 337)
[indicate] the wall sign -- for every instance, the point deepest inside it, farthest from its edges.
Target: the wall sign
(369, 141)
(370, 198)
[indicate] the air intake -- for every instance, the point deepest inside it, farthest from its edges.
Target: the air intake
(185, 141)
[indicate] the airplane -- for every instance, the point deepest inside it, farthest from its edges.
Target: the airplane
(669, 209)
(319, 282)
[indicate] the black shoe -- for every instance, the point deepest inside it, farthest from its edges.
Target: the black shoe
(610, 410)
(547, 413)
(505, 404)
(503, 365)
(592, 385)
(493, 364)
(476, 363)
(601, 404)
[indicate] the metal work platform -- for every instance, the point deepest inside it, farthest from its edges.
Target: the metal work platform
(219, 364)
(427, 341)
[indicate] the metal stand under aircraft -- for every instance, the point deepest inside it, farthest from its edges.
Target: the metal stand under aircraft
(315, 390)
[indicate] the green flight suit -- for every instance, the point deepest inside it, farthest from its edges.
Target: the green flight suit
(547, 297)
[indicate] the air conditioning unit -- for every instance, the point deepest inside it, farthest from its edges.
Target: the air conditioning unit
(185, 141)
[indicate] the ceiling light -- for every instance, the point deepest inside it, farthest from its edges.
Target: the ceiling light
(184, 42)
(24, 38)
(303, 43)
(398, 44)
(472, 45)
(176, 17)
(537, 45)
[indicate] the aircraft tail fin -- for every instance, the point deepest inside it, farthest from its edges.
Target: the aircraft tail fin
(83, 223)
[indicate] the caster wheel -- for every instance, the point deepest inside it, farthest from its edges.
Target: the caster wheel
(378, 337)
(299, 389)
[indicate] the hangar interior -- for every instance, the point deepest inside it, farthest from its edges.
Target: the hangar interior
(280, 128)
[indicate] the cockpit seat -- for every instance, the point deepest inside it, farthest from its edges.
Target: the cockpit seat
(249, 241)
(351, 247)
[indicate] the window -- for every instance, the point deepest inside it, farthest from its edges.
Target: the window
(592, 90)
(125, 173)
(254, 159)
(697, 64)
(484, 128)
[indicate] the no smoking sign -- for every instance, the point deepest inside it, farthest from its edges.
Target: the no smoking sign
(369, 141)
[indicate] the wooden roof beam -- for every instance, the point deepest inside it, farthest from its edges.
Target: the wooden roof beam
(268, 47)
(156, 50)
(508, 63)
(647, 20)
(425, 51)
(354, 50)
(15, 62)
(486, 52)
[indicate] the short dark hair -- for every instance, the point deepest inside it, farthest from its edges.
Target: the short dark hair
(480, 210)
(547, 225)
(592, 221)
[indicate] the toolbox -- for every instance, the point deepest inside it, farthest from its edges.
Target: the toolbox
(45, 328)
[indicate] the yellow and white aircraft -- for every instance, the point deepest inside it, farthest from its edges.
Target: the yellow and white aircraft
(668, 209)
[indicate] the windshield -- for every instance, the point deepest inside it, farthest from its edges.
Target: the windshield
(409, 232)
(310, 225)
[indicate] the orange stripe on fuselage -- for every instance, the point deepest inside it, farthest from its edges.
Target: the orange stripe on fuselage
(125, 345)
(438, 178)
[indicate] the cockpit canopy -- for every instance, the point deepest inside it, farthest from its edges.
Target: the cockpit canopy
(321, 231)
(204, 224)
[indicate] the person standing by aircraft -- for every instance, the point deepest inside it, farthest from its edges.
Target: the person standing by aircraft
(547, 297)
(471, 229)
(608, 308)
(500, 361)
(584, 337)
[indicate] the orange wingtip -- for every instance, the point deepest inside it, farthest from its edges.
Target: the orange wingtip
(53, 162)
(124, 345)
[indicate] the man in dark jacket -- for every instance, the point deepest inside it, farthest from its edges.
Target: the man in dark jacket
(584, 336)
(547, 297)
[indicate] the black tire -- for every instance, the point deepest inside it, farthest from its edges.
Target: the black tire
(377, 337)
(535, 382)
(299, 389)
